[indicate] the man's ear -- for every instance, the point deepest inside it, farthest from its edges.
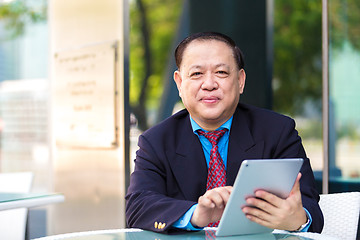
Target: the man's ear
(178, 80)
(242, 77)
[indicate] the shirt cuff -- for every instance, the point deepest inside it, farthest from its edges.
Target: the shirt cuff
(306, 227)
(184, 221)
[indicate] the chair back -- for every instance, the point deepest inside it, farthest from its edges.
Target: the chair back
(341, 214)
(13, 222)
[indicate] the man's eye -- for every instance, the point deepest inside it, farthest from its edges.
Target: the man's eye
(222, 72)
(195, 74)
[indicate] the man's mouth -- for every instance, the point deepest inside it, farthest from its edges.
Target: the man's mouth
(210, 99)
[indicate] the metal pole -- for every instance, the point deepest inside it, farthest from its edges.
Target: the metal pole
(126, 50)
(325, 95)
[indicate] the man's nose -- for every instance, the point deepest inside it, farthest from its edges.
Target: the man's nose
(210, 82)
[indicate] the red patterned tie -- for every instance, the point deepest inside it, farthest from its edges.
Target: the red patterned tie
(217, 173)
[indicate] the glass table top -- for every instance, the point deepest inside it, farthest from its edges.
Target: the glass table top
(10, 197)
(137, 234)
(28, 200)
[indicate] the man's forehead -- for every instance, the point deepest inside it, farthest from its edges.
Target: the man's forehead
(200, 66)
(196, 54)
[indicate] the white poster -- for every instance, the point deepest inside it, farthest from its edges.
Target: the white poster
(85, 89)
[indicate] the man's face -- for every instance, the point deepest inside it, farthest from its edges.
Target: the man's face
(209, 82)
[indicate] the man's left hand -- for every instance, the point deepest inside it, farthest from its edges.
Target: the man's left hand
(277, 213)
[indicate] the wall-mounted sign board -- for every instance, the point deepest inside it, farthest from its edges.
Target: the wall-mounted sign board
(85, 94)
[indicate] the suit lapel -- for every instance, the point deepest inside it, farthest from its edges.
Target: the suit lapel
(189, 164)
(241, 145)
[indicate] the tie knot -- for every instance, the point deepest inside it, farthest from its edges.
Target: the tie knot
(213, 136)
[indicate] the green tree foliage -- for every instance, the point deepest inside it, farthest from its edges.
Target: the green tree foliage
(153, 24)
(344, 22)
(15, 14)
(297, 55)
(297, 77)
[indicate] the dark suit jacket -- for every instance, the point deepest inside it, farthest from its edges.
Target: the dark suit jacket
(170, 167)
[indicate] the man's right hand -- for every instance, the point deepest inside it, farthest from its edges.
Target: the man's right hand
(211, 206)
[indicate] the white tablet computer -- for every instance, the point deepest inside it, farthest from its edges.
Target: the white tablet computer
(273, 175)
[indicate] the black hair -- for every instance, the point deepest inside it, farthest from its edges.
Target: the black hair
(238, 55)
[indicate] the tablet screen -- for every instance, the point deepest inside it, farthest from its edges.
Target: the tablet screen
(273, 175)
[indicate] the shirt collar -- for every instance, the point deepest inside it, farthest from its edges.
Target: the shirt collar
(196, 126)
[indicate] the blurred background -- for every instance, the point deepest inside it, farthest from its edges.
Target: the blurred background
(80, 80)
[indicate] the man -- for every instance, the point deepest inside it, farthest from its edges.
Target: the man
(173, 186)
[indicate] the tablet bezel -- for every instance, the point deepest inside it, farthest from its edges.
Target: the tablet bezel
(273, 175)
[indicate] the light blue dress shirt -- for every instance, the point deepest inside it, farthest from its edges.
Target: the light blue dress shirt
(223, 144)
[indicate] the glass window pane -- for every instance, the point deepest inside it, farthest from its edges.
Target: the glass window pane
(24, 90)
(297, 76)
(344, 62)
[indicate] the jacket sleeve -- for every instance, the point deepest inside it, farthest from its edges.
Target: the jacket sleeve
(289, 145)
(149, 203)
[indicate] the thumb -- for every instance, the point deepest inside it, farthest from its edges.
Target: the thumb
(296, 187)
